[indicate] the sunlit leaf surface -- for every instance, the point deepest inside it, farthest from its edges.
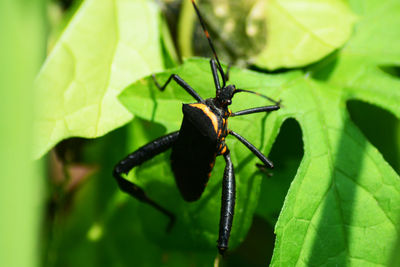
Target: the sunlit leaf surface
(106, 46)
(353, 217)
(302, 32)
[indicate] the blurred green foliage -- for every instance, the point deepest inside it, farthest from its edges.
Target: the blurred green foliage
(22, 50)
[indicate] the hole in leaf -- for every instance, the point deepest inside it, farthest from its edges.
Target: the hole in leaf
(256, 249)
(286, 155)
(380, 127)
(391, 70)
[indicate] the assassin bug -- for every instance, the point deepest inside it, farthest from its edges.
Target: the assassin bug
(203, 132)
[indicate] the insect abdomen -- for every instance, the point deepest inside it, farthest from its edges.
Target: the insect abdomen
(192, 160)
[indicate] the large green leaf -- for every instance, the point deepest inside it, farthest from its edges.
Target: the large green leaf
(344, 197)
(355, 218)
(107, 45)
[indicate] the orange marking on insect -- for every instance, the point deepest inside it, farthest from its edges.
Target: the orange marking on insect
(219, 132)
(209, 114)
(225, 123)
(207, 34)
(223, 150)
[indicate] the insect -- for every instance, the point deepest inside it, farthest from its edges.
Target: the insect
(203, 132)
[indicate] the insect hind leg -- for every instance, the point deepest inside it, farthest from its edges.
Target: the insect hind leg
(227, 204)
(141, 155)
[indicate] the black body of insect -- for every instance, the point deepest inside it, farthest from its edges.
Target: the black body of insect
(203, 132)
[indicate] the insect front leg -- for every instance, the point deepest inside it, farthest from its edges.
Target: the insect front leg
(141, 155)
(180, 82)
(253, 149)
(227, 204)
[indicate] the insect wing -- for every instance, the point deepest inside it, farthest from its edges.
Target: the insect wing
(192, 160)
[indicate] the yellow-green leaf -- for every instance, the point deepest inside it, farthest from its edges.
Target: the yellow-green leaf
(107, 45)
(302, 32)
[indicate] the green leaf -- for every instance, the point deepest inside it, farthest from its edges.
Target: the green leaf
(106, 46)
(344, 196)
(352, 215)
(302, 32)
(358, 66)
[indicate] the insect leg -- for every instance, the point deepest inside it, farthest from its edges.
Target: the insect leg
(255, 110)
(253, 149)
(180, 82)
(227, 204)
(258, 94)
(141, 155)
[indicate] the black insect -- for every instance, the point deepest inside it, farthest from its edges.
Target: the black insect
(203, 132)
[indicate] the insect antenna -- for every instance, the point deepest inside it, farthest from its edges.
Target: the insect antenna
(203, 25)
(252, 92)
